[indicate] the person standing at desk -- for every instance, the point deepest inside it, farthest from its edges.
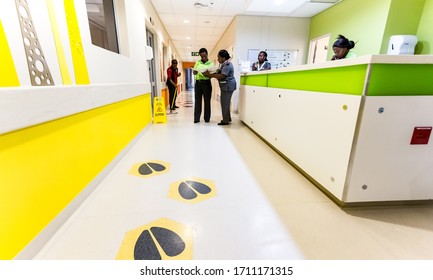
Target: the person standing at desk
(262, 63)
(203, 87)
(342, 48)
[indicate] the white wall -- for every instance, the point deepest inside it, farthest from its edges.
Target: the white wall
(255, 32)
(113, 77)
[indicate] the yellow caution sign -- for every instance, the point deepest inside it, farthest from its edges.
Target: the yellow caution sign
(159, 115)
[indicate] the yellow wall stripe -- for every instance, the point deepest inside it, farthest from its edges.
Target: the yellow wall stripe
(78, 58)
(8, 73)
(66, 78)
(42, 168)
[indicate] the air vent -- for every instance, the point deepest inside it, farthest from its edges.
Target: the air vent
(199, 5)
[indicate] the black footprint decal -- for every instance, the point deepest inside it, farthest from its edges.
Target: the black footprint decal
(189, 189)
(146, 249)
(149, 167)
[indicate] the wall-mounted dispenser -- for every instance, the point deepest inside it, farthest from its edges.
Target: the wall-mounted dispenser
(402, 44)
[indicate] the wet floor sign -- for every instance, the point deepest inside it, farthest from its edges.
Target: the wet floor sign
(159, 115)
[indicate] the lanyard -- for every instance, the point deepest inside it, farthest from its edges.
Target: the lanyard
(260, 67)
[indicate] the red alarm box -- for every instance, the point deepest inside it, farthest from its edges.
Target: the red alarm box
(421, 135)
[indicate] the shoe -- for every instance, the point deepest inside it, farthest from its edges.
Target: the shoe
(223, 123)
(196, 121)
(206, 121)
(176, 107)
(172, 109)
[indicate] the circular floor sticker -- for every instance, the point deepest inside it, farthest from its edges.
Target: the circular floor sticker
(163, 239)
(149, 168)
(192, 190)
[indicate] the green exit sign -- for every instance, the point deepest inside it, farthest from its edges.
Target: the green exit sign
(195, 54)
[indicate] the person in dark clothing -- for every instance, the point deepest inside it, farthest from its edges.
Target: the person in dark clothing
(172, 74)
(203, 87)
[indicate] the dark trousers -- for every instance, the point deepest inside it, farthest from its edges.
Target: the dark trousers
(225, 99)
(202, 90)
(173, 96)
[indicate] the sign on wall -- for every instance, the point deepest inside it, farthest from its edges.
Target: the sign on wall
(277, 58)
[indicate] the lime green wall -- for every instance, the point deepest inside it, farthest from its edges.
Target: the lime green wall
(370, 23)
(44, 167)
(425, 30)
(361, 21)
(403, 18)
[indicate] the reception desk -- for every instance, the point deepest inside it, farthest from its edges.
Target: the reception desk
(359, 129)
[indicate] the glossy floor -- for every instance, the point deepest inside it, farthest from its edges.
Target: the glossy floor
(254, 205)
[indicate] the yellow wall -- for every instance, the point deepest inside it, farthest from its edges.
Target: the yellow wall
(42, 168)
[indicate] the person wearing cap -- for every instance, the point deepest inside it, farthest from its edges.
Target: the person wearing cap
(342, 48)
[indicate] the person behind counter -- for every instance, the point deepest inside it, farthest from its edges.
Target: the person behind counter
(227, 83)
(262, 63)
(342, 48)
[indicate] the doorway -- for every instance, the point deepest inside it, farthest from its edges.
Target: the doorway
(319, 49)
(152, 74)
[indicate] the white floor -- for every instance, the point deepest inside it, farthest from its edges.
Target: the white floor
(259, 206)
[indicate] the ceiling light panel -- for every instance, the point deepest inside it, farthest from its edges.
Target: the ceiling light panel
(310, 9)
(179, 18)
(275, 6)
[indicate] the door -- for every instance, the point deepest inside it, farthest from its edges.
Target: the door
(319, 49)
(151, 64)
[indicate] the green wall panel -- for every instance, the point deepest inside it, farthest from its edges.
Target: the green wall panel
(425, 30)
(400, 79)
(255, 80)
(347, 80)
(398, 24)
(361, 21)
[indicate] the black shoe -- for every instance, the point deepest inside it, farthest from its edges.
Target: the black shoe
(206, 121)
(196, 121)
(223, 123)
(172, 109)
(176, 107)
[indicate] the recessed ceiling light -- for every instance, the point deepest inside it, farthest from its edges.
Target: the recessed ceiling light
(188, 38)
(186, 21)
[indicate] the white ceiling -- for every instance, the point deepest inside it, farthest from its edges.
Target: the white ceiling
(193, 24)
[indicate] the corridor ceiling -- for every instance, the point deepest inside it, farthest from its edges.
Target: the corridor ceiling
(193, 24)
